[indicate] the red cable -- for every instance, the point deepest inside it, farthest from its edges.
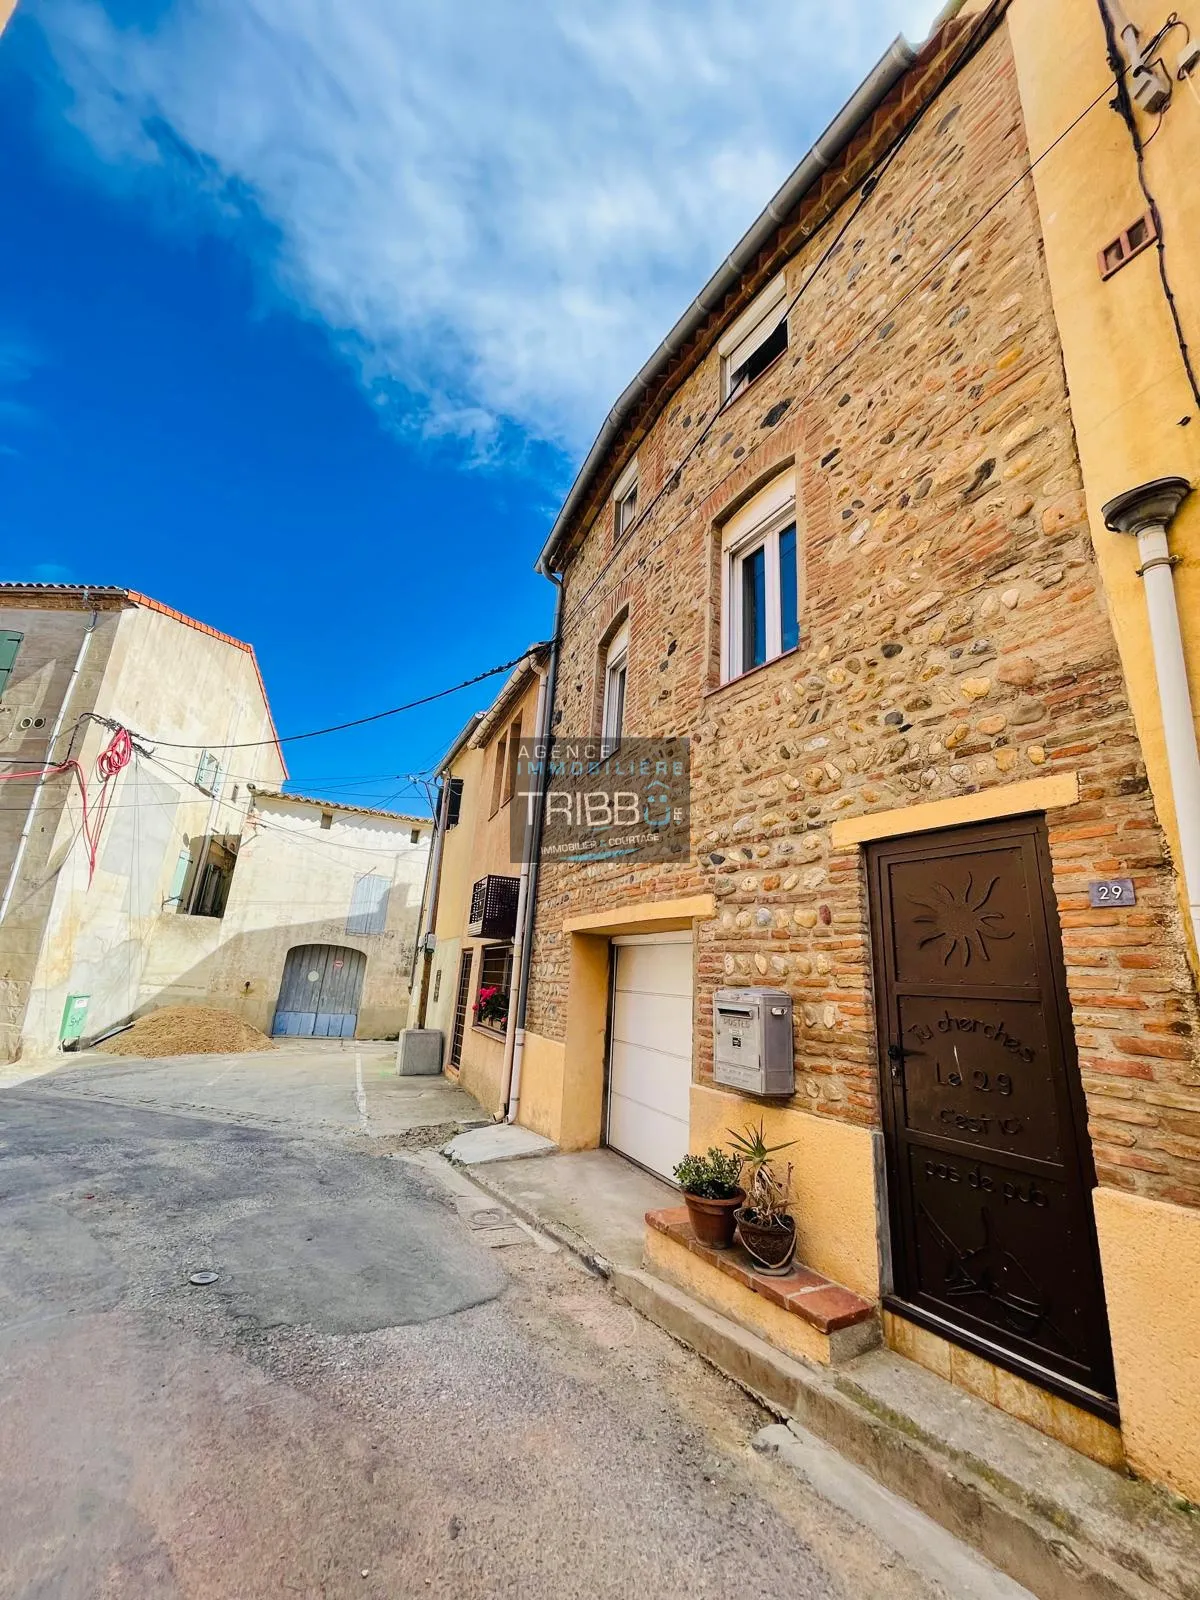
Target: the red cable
(115, 756)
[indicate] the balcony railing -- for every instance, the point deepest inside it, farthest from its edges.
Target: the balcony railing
(494, 907)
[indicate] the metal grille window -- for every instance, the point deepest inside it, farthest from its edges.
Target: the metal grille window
(462, 1001)
(369, 905)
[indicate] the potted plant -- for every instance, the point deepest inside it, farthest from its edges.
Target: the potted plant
(491, 1008)
(711, 1190)
(765, 1229)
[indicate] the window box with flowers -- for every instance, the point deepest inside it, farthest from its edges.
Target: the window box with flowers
(495, 981)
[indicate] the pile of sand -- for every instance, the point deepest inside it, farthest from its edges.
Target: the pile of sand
(187, 1031)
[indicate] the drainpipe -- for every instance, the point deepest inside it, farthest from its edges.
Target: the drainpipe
(36, 801)
(545, 725)
(422, 954)
(1147, 512)
(510, 1032)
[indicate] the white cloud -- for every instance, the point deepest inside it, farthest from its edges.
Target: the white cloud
(497, 206)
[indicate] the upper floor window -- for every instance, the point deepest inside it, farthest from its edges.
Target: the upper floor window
(625, 500)
(501, 761)
(513, 762)
(760, 580)
(452, 797)
(758, 338)
(208, 774)
(616, 666)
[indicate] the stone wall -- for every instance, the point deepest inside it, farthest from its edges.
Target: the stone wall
(953, 637)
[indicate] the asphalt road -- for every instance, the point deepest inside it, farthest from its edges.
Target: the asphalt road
(368, 1402)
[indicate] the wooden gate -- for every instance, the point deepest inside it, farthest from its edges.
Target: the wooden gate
(989, 1169)
(320, 992)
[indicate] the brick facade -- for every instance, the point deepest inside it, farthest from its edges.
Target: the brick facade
(953, 636)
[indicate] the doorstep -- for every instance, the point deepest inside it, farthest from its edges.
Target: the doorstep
(801, 1313)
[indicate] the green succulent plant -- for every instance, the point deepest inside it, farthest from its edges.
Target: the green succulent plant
(768, 1192)
(713, 1176)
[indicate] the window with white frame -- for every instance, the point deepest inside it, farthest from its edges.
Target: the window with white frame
(760, 580)
(616, 664)
(625, 500)
(758, 338)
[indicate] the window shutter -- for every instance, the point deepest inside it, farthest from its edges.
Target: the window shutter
(454, 794)
(368, 904)
(10, 643)
(179, 877)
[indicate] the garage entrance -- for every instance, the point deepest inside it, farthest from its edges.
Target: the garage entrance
(320, 992)
(650, 1050)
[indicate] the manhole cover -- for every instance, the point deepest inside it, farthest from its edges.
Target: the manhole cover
(202, 1279)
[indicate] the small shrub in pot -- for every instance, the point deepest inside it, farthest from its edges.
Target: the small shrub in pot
(712, 1193)
(765, 1228)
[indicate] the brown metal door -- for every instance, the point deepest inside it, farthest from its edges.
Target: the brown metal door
(989, 1169)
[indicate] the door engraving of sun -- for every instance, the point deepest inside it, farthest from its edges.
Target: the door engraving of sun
(961, 920)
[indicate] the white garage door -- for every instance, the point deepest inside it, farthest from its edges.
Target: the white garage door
(650, 1065)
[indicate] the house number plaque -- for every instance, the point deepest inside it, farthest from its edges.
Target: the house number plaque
(1112, 892)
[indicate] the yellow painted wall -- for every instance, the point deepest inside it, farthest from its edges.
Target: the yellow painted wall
(1150, 1252)
(1128, 389)
(542, 1073)
(833, 1180)
(780, 1328)
(478, 845)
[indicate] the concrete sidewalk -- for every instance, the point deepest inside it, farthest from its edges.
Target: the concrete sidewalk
(593, 1201)
(1060, 1524)
(328, 1085)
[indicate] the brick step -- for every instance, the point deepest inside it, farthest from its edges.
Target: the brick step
(800, 1312)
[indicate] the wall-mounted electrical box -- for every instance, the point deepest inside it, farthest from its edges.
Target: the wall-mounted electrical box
(752, 1041)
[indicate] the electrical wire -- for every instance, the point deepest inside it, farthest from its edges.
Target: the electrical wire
(355, 722)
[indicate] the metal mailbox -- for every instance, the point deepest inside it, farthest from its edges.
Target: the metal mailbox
(752, 1041)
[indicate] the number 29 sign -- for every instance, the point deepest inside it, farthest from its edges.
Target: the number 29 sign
(1112, 892)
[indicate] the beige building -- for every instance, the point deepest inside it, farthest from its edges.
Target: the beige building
(845, 532)
(316, 928)
(476, 889)
(146, 856)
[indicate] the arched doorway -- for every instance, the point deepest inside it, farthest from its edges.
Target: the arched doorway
(320, 992)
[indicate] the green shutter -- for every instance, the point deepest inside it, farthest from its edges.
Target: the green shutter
(10, 643)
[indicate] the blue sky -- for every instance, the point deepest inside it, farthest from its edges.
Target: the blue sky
(308, 312)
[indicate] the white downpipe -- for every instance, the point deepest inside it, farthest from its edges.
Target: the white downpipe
(1179, 727)
(35, 802)
(514, 1037)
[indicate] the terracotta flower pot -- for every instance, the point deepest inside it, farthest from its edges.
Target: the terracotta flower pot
(772, 1246)
(713, 1220)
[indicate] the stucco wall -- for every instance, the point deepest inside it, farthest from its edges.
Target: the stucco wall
(1134, 412)
(172, 685)
(293, 885)
(50, 648)
(480, 844)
